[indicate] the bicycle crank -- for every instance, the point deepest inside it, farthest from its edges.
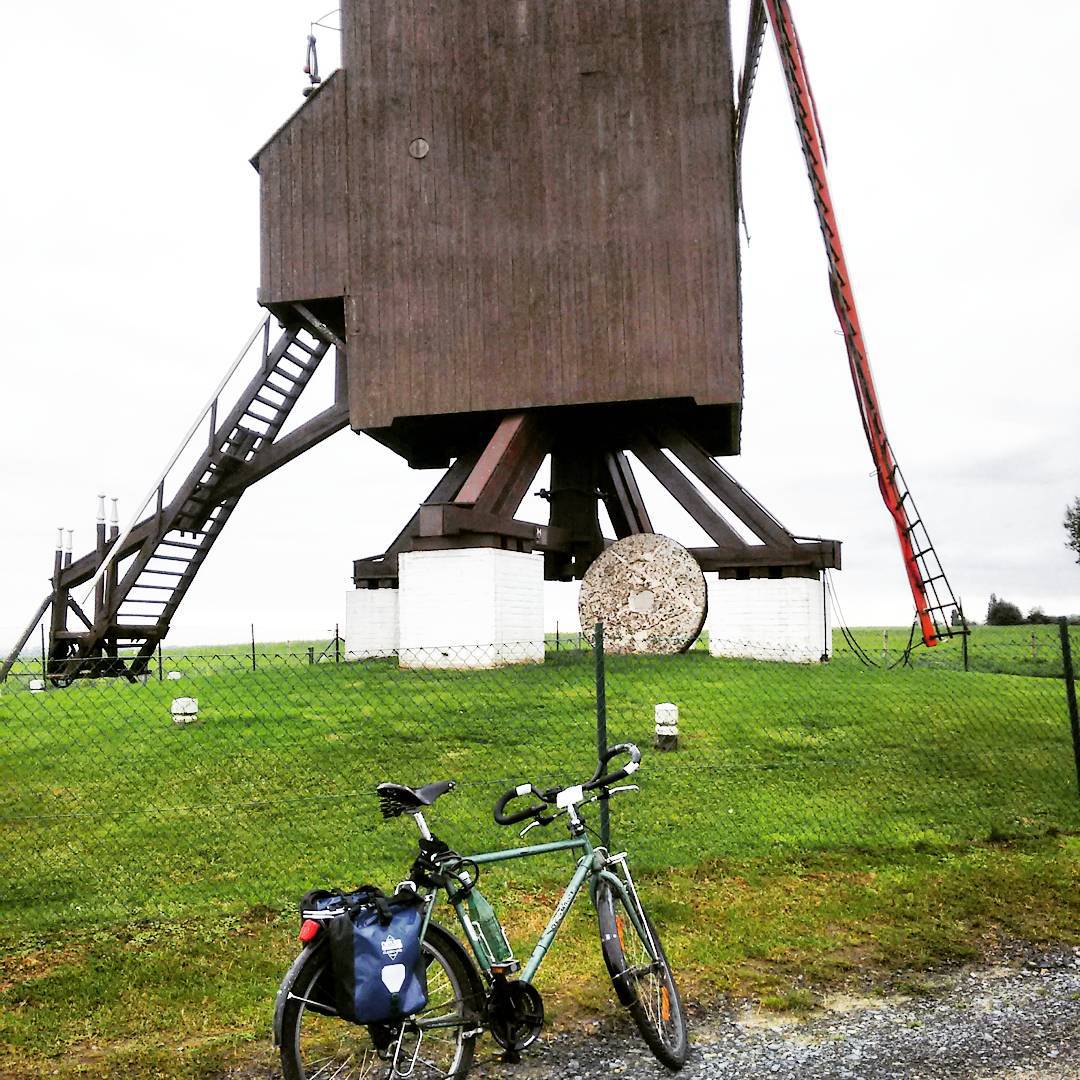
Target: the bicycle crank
(514, 1014)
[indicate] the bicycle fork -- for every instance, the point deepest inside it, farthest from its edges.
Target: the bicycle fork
(623, 883)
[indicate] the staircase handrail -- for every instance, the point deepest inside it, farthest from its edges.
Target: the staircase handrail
(210, 406)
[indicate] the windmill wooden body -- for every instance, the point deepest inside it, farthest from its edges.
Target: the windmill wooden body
(522, 221)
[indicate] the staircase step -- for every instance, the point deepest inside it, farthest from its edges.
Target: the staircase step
(278, 370)
(289, 397)
(300, 362)
(311, 351)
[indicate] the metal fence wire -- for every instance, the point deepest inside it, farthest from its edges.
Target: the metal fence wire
(230, 779)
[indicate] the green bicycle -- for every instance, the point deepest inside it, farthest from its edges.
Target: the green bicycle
(470, 994)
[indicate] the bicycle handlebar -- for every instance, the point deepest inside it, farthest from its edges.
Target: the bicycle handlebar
(600, 779)
(619, 774)
(520, 815)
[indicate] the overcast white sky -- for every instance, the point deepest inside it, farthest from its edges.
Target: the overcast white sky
(130, 263)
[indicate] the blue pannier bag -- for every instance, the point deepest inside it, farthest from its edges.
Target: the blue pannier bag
(322, 905)
(378, 969)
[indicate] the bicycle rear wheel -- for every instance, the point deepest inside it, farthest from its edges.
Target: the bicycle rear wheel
(641, 974)
(316, 1045)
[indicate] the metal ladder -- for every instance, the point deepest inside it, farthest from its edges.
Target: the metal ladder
(934, 598)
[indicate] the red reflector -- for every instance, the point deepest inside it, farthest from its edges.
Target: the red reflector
(308, 930)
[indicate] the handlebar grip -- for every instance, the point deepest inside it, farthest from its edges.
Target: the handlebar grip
(631, 766)
(521, 815)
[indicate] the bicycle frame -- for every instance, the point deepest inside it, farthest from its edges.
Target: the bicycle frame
(591, 866)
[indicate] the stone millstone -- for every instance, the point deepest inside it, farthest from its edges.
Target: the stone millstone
(649, 593)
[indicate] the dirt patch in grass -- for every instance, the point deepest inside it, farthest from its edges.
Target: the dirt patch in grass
(35, 962)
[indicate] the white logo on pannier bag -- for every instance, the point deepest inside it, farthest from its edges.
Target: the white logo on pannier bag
(393, 977)
(392, 947)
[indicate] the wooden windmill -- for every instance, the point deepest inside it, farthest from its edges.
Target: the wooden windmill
(521, 219)
(516, 224)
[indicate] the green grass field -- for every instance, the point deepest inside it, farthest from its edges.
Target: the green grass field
(1015, 650)
(815, 821)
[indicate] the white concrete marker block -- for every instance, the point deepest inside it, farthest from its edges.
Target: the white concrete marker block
(185, 710)
(471, 608)
(667, 726)
(37, 686)
(769, 619)
(371, 623)
(173, 676)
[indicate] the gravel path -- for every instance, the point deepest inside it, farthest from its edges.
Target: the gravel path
(1019, 1019)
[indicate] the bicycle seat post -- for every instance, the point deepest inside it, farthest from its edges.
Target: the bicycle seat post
(421, 824)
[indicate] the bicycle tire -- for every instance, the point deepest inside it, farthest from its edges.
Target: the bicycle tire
(314, 1043)
(642, 977)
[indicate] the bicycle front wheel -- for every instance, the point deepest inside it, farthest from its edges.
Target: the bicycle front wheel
(316, 1045)
(641, 974)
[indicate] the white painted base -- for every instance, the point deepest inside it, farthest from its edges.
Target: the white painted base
(371, 623)
(769, 619)
(471, 608)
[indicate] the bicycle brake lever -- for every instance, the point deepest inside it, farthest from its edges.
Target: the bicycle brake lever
(541, 819)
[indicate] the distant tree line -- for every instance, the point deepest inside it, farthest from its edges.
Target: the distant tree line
(1000, 612)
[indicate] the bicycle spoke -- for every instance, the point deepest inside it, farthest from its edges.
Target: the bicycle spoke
(431, 1024)
(641, 974)
(439, 1005)
(325, 1048)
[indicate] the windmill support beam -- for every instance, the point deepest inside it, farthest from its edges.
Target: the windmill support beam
(283, 450)
(808, 558)
(583, 473)
(622, 497)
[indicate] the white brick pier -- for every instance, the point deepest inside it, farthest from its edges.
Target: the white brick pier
(371, 623)
(470, 607)
(769, 619)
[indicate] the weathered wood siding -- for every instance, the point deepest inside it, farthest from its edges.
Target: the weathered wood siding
(303, 235)
(571, 235)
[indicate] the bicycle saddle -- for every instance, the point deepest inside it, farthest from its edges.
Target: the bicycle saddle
(395, 799)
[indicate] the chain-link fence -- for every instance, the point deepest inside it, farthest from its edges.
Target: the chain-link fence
(239, 777)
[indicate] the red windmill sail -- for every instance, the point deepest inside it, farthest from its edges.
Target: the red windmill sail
(934, 599)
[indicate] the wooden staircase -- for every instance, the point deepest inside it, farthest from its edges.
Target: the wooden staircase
(142, 577)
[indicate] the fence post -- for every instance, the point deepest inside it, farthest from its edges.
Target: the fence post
(1070, 693)
(160, 671)
(337, 644)
(964, 644)
(252, 646)
(601, 727)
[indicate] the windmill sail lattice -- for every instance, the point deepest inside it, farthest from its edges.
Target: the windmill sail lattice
(934, 599)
